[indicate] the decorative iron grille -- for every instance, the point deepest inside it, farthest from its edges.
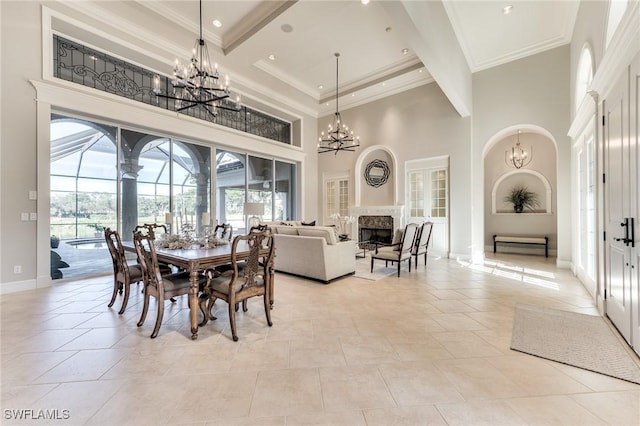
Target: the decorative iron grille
(79, 64)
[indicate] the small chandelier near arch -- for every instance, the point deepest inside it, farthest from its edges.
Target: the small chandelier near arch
(518, 157)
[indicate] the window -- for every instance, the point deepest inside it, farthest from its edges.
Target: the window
(617, 8)
(584, 75)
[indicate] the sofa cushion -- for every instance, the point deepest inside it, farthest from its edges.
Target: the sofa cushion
(319, 231)
(286, 230)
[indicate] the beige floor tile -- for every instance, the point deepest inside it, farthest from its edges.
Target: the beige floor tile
(418, 383)
(553, 410)
(358, 386)
(368, 350)
(287, 392)
(489, 413)
(536, 375)
(417, 415)
(457, 322)
(84, 365)
(340, 418)
(477, 378)
(315, 353)
(465, 344)
(617, 408)
(255, 356)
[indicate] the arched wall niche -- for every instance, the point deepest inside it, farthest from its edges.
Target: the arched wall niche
(534, 180)
(540, 176)
(361, 163)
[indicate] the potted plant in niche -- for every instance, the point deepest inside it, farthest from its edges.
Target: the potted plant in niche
(522, 198)
(55, 241)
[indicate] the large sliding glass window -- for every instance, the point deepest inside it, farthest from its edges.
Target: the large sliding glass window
(83, 194)
(284, 206)
(151, 178)
(230, 189)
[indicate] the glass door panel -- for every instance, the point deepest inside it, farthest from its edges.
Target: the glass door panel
(230, 189)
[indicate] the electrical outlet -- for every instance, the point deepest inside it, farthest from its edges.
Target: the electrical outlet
(33, 216)
(17, 269)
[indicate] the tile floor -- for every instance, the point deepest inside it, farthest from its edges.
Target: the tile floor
(431, 347)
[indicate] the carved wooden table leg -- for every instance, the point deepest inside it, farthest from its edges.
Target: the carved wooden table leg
(193, 303)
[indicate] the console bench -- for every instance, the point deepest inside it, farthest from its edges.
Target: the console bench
(512, 239)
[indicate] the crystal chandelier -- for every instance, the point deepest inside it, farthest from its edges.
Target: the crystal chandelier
(517, 157)
(197, 83)
(338, 137)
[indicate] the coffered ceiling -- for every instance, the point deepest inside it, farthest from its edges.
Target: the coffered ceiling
(288, 46)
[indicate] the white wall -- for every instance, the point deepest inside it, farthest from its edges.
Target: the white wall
(420, 123)
(532, 91)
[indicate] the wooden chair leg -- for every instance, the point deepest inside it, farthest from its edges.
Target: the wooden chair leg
(145, 309)
(371, 264)
(156, 328)
(115, 293)
(125, 299)
(232, 321)
(399, 263)
(203, 300)
(267, 308)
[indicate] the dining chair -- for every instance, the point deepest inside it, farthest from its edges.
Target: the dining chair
(422, 242)
(223, 231)
(162, 287)
(125, 272)
(398, 252)
(238, 285)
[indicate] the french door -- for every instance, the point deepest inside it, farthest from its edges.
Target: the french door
(428, 199)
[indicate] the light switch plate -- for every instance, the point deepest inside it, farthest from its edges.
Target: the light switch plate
(33, 216)
(33, 195)
(24, 217)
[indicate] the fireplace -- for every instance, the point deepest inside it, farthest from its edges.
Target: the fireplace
(375, 229)
(376, 222)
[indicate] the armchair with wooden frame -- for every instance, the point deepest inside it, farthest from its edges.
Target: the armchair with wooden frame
(125, 272)
(237, 285)
(398, 252)
(162, 287)
(422, 242)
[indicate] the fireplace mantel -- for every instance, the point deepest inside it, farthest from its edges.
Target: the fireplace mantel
(397, 212)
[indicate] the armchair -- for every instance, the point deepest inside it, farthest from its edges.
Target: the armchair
(392, 254)
(422, 242)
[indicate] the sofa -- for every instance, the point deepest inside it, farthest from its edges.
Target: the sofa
(313, 252)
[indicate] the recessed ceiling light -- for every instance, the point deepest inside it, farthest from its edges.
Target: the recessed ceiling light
(320, 86)
(384, 84)
(365, 2)
(353, 94)
(272, 57)
(420, 70)
(217, 23)
(507, 9)
(286, 28)
(327, 103)
(405, 51)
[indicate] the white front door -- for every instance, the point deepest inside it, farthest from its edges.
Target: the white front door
(621, 208)
(428, 200)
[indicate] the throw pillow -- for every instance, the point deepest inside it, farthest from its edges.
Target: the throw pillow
(309, 223)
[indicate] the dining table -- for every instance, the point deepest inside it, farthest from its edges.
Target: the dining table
(196, 260)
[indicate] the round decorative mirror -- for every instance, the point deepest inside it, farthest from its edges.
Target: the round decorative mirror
(376, 173)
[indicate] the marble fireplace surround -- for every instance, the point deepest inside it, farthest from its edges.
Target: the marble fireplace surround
(396, 212)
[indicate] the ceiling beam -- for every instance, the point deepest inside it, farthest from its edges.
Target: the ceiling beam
(426, 27)
(261, 16)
